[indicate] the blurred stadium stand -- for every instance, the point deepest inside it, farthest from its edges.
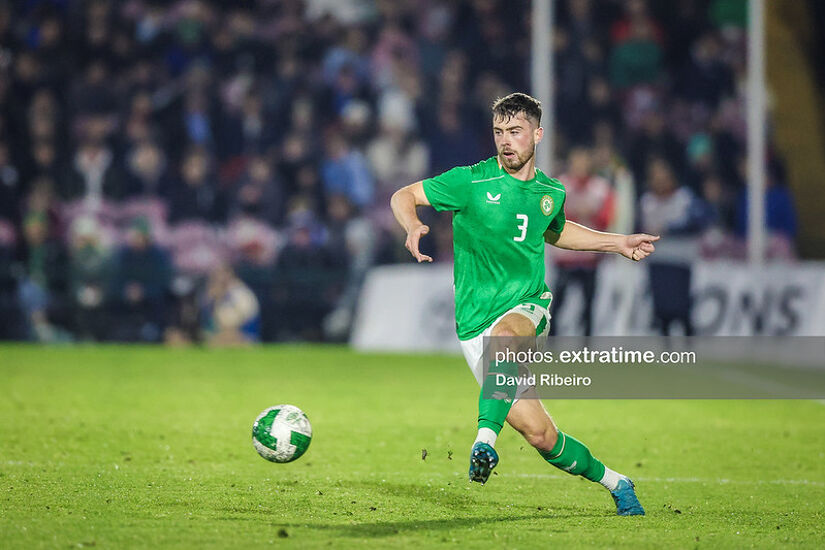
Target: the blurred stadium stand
(269, 136)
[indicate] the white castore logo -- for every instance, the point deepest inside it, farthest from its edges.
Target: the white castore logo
(493, 198)
(570, 468)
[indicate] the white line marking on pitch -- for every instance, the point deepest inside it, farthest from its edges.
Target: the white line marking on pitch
(696, 480)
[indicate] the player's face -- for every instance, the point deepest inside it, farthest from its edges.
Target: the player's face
(515, 139)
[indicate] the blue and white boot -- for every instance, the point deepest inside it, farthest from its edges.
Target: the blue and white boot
(483, 458)
(627, 503)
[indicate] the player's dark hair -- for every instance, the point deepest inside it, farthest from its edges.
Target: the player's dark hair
(511, 105)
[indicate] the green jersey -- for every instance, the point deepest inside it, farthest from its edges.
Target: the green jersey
(498, 238)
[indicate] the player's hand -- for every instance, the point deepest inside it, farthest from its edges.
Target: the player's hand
(638, 246)
(413, 237)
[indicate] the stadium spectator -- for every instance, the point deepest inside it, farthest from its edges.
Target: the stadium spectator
(308, 188)
(230, 310)
(196, 195)
(42, 288)
(701, 161)
(254, 264)
(706, 79)
(654, 140)
(9, 184)
(353, 240)
(780, 217)
(433, 37)
(89, 275)
(350, 51)
(672, 211)
(600, 109)
(718, 198)
(41, 201)
(637, 59)
(636, 12)
(308, 276)
(356, 124)
(609, 164)
(590, 202)
(147, 171)
(345, 171)
(716, 241)
(259, 194)
(452, 142)
(95, 176)
(197, 120)
(346, 87)
(395, 154)
(249, 131)
(140, 281)
(10, 321)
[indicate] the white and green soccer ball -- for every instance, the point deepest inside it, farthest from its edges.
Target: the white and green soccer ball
(281, 433)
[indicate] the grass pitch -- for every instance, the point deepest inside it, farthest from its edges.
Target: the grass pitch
(119, 447)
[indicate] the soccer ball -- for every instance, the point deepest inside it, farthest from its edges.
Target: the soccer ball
(281, 433)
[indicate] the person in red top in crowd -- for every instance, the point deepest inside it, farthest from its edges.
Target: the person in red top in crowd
(636, 13)
(590, 202)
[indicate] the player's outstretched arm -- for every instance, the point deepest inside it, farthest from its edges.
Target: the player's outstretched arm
(575, 236)
(403, 204)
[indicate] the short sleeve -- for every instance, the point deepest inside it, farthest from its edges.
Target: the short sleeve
(450, 190)
(558, 221)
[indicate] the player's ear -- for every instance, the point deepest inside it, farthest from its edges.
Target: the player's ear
(539, 134)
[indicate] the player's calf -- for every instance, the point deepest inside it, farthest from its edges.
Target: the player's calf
(572, 456)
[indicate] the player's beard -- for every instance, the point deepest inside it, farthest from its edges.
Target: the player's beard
(517, 163)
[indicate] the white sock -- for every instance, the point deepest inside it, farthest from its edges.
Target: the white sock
(610, 479)
(488, 436)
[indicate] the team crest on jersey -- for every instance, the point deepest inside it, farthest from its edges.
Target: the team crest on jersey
(547, 205)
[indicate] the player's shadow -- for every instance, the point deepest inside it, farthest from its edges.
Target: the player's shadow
(461, 506)
(374, 529)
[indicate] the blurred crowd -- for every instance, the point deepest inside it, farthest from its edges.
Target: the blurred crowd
(203, 170)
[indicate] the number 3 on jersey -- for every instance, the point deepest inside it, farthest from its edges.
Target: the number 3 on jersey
(522, 227)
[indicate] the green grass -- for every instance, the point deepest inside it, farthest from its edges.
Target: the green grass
(145, 447)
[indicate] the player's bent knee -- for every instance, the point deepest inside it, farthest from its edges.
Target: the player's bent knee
(504, 331)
